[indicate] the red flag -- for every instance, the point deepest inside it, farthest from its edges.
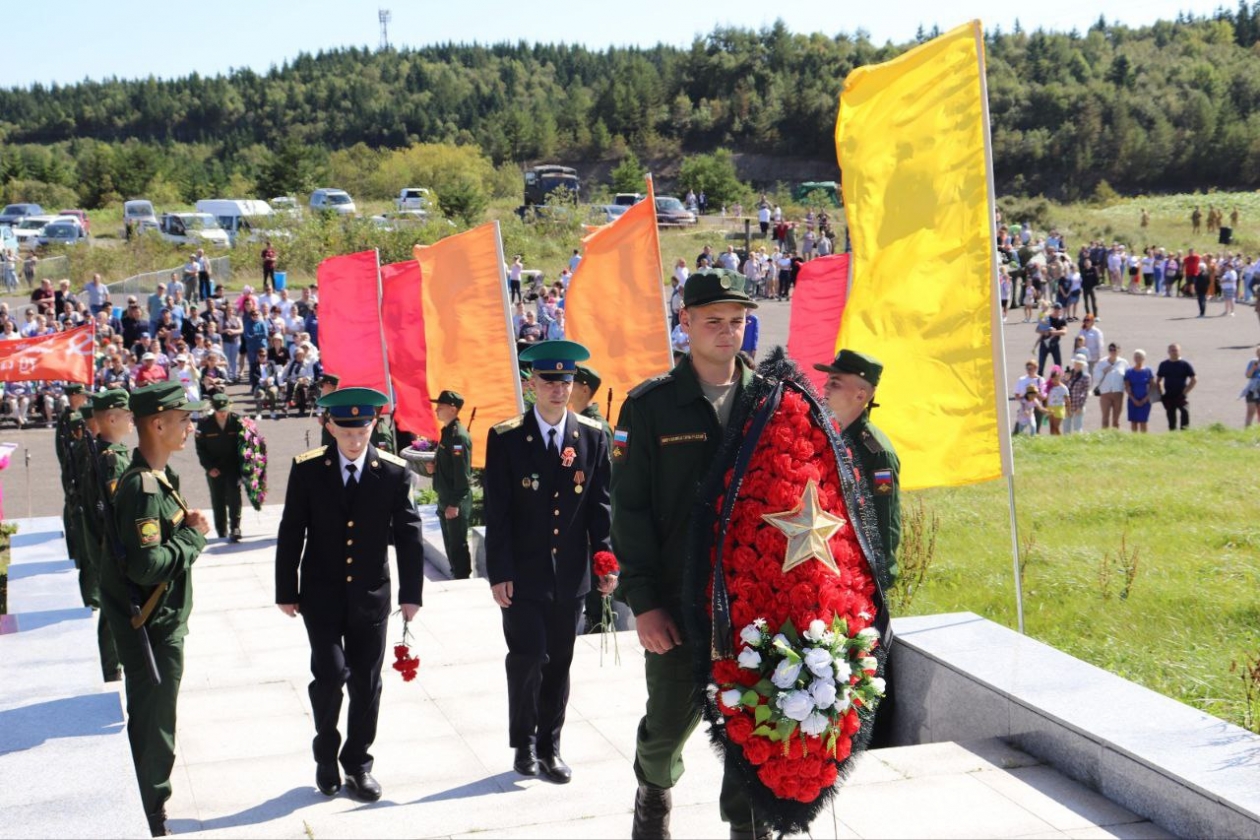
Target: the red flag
(350, 326)
(402, 313)
(818, 298)
(65, 357)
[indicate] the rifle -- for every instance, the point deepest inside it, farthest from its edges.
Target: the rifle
(608, 413)
(141, 608)
(472, 419)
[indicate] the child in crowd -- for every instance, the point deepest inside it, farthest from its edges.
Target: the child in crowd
(1056, 400)
(1031, 297)
(1004, 290)
(1028, 411)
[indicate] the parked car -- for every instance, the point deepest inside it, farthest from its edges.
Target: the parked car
(193, 229)
(139, 215)
(602, 214)
(14, 213)
(333, 200)
(413, 198)
(29, 229)
(628, 199)
(82, 216)
(286, 205)
(670, 212)
(64, 230)
(239, 217)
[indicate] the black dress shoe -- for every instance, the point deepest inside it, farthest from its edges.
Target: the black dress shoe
(363, 786)
(554, 768)
(235, 536)
(526, 762)
(157, 824)
(328, 778)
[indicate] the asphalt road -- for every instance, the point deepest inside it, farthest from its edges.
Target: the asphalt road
(1218, 347)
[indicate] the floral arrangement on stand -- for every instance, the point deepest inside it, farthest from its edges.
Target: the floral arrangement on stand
(605, 563)
(782, 580)
(253, 456)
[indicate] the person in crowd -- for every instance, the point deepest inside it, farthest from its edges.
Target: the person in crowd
(1251, 391)
(1056, 400)
(116, 376)
(265, 383)
(1176, 379)
(186, 375)
(1031, 377)
(150, 371)
(1139, 387)
(17, 398)
(218, 450)
(1050, 329)
(1031, 299)
(1109, 376)
(205, 282)
(1030, 406)
(1078, 382)
(514, 273)
(1094, 341)
(299, 377)
(451, 469)
(268, 265)
(1229, 289)
(531, 331)
(44, 297)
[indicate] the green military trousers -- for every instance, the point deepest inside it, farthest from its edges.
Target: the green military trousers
(151, 713)
(671, 718)
(455, 539)
(225, 499)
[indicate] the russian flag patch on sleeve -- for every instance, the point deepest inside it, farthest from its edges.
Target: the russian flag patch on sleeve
(883, 481)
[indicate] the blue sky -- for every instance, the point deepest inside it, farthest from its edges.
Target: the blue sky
(79, 39)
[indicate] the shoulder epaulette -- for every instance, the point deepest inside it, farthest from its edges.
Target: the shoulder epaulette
(509, 424)
(148, 480)
(309, 455)
(871, 442)
(390, 457)
(586, 421)
(646, 386)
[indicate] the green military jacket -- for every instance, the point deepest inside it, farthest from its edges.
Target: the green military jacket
(592, 412)
(880, 471)
(219, 448)
(452, 465)
(665, 443)
(111, 464)
(159, 546)
(69, 428)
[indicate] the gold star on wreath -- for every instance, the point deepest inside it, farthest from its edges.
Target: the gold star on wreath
(808, 528)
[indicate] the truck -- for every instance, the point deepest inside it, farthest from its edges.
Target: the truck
(413, 198)
(543, 180)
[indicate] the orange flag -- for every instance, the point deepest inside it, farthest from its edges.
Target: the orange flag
(468, 328)
(63, 357)
(616, 304)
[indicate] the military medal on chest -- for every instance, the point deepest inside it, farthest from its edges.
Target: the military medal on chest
(567, 456)
(579, 478)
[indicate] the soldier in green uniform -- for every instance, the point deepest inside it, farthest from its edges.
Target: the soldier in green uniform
(327, 384)
(77, 462)
(70, 428)
(852, 378)
(94, 555)
(161, 538)
(585, 399)
(666, 440)
(218, 450)
(452, 479)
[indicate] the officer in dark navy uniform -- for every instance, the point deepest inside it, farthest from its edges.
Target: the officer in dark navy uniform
(342, 504)
(546, 492)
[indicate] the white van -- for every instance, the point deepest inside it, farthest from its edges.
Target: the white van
(198, 229)
(140, 215)
(239, 217)
(334, 200)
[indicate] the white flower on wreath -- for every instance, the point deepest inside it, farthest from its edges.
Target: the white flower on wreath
(869, 635)
(796, 705)
(750, 635)
(730, 698)
(785, 673)
(749, 659)
(823, 692)
(817, 628)
(879, 685)
(845, 700)
(818, 661)
(868, 663)
(815, 724)
(780, 641)
(843, 669)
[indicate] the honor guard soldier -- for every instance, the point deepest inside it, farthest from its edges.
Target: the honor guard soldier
(666, 440)
(585, 399)
(546, 492)
(79, 463)
(218, 450)
(852, 378)
(69, 428)
(160, 538)
(342, 503)
(452, 479)
(327, 384)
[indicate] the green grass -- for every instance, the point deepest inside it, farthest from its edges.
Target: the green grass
(1185, 503)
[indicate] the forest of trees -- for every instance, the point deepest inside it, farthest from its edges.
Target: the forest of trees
(1171, 106)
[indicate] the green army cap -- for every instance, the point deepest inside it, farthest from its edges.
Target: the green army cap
(220, 401)
(587, 376)
(73, 388)
(162, 397)
(555, 361)
(353, 407)
(86, 410)
(450, 398)
(858, 364)
(716, 285)
(330, 379)
(113, 398)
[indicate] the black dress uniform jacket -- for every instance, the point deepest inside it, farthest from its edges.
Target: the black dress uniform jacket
(545, 520)
(331, 557)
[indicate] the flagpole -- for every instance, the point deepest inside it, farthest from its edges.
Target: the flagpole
(507, 316)
(380, 320)
(999, 346)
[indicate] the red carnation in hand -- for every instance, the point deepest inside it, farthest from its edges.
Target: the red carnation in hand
(606, 564)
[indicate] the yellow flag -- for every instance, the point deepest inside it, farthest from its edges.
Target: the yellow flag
(616, 305)
(912, 138)
(467, 328)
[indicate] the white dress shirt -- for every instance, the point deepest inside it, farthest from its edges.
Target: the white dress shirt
(358, 466)
(545, 428)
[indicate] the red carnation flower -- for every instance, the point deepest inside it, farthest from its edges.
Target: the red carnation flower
(739, 728)
(758, 750)
(606, 564)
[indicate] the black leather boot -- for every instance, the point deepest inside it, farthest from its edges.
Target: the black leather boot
(651, 813)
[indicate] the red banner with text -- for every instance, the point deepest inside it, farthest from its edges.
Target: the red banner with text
(63, 357)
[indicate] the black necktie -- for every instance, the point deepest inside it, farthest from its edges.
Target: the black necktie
(352, 483)
(551, 443)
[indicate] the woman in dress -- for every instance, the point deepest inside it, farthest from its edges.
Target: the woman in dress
(1137, 386)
